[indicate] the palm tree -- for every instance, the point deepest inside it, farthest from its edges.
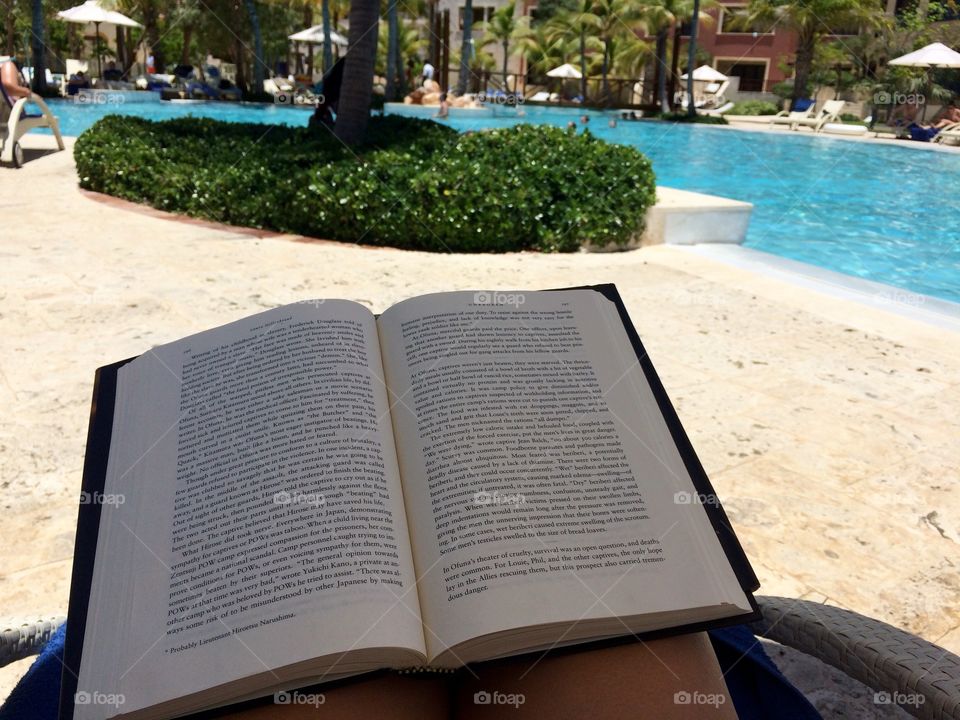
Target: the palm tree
(659, 16)
(466, 47)
(684, 11)
(39, 82)
(617, 18)
(584, 23)
(353, 109)
(812, 20)
(258, 62)
(392, 46)
(327, 44)
(502, 28)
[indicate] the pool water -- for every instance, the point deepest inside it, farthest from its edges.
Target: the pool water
(880, 212)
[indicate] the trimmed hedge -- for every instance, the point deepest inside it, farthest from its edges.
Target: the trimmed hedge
(415, 183)
(754, 107)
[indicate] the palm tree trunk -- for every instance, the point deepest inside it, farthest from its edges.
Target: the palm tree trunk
(392, 43)
(465, 48)
(10, 30)
(258, 62)
(661, 52)
(801, 75)
(583, 63)
(353, 110)
(187, 39)
(674, 65)
(506, 57)
(605, 70)
(39, 83)
(327, 44)
(692, 57)
(151, 31)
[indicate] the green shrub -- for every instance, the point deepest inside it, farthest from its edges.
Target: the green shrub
(698, 118)
(754, 107)
(414, 183)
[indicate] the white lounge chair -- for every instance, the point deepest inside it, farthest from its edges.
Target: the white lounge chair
(15, 122)
(949, 133)
(829, 113)
(794, 116)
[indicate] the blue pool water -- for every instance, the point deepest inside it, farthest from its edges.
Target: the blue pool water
(884, 213)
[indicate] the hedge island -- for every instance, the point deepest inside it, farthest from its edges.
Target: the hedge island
(415, 183)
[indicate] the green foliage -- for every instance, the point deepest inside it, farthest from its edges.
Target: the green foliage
(413, 184)
(754, 107)
(698, 119)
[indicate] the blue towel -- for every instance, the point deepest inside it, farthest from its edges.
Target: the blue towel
(757, 687)
(37, 695)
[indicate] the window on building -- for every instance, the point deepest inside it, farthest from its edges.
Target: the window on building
(480, 15)
(732, 20)
(751, 74)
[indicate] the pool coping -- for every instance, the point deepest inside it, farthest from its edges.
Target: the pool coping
(941, 313)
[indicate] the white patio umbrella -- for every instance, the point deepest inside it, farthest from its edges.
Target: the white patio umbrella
(934, 55)
(314, 36)
(705, 73)
(566, 71)
(92, 12)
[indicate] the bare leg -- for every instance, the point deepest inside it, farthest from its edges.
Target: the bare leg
(671, 678)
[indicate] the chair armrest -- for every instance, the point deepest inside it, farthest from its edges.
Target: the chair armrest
(885, 658)
(17, 643)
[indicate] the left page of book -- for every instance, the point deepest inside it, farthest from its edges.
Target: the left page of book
(252, 531)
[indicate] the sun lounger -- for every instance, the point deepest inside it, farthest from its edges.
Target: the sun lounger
(829, 113)
(15, 122)
(949, 133)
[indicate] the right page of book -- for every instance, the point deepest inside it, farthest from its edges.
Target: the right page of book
(543, 487)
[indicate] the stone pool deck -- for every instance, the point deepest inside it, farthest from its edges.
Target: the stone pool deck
(828, 426)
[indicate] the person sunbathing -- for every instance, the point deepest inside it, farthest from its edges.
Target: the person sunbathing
(949, 115)
(11, 80)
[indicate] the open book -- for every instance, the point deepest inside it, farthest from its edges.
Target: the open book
(316, 492)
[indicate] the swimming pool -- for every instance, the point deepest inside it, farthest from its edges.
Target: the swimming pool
(879, 212)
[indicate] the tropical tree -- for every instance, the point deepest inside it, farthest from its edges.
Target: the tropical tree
(583, 22)
(659, 16)
(327, 44)
(544, 48)
(503, 28)
(616, 19)
(393, 29)
(466, 48)
(353, 109)
(258, 60)
(39, 82)
(812, 20)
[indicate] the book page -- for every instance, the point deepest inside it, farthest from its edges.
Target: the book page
(541, 482)
(261, 522)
